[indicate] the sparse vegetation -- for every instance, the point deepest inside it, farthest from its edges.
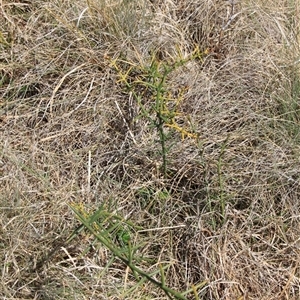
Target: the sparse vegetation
(149, 149)
(148, 86)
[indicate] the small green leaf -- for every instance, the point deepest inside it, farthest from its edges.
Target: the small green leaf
(124, 237)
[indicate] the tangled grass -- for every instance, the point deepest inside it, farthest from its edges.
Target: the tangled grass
(184, 177)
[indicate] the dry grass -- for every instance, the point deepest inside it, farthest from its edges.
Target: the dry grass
(228, 213)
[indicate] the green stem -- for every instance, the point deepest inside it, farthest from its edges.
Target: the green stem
(128, 262)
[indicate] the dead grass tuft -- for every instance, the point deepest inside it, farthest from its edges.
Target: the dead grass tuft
(225, 219)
